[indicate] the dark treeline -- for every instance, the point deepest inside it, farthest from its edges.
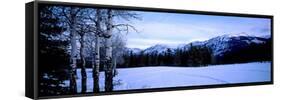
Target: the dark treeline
(253, 52)
(199, 56)
(195, 56)
(53, 61)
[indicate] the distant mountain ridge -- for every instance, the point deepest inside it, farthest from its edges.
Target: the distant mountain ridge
(159, 48)
(219, 45)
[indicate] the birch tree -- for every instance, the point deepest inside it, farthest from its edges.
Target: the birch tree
(104, 28)
(110, 25)
(96, 66)
(84, 26)
(108, 52)
(95, 16)
(70, 15)
(73, 56)
(83, 29)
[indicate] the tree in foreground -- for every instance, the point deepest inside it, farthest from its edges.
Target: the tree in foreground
(110, 25)
(52, 53)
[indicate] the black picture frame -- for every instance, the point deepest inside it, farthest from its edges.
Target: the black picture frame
(31, 70)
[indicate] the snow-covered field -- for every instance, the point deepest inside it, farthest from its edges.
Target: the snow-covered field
(165, 76)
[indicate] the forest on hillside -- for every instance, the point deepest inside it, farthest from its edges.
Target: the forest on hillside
(198, 56)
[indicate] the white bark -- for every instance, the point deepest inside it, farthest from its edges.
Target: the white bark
(73, 56)
(96, 65)
(108, 54)
(73, 48)
(73, 35)
(83, 61)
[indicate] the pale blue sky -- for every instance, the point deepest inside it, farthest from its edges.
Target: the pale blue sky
(174, 29)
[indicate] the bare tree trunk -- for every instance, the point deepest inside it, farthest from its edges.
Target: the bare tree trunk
(73, 85)
(108, 67)
(83, 67)
(114, 66)
(96, 66)
(108, 54)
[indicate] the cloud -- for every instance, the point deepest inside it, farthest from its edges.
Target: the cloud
(165, 33)
(174, 31)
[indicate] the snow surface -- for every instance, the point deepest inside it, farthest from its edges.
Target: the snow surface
(164, 76)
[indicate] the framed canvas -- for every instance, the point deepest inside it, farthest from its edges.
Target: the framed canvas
(75, 49)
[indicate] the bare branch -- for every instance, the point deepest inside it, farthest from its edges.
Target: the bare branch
(126, 15)
(126, 26)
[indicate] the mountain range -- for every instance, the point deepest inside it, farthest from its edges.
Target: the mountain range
(219, 45)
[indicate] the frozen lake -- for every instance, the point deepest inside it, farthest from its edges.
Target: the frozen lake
(165, 76)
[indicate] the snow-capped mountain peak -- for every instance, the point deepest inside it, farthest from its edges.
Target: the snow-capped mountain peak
(136, 50)
(219, 45)
(158, 48)
(229, 42)
(236, 35)
(133, 50)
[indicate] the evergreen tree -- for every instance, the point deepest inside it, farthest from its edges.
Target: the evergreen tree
(53, 59)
